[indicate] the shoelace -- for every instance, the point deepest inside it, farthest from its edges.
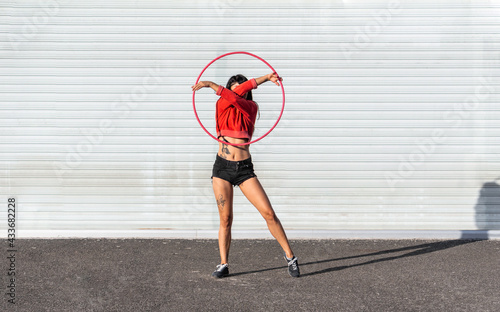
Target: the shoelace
(221, 267)
(293, 263)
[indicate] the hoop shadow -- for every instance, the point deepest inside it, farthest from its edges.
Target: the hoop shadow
(414, 251)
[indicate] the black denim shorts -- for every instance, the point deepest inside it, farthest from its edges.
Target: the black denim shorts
(235, 172)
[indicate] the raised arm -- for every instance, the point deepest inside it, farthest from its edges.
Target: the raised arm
(245, 106)
(269, 77)
(273, 77)
(205, 84)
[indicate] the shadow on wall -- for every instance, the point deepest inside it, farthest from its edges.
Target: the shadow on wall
(487, 211)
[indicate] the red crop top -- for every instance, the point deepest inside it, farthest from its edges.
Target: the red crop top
(234, 115)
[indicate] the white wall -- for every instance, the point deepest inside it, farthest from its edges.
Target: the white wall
(391, 119)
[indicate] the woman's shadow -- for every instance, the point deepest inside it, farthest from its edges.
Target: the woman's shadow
(487, 206)
(416, 250)
(391, 254)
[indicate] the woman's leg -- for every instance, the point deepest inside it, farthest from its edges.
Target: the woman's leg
(223, 191)
(255, 193)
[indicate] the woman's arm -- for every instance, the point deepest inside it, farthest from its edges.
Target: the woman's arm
(205, 84)
(269, 77)
(246, 107)
(232, 98)
(209, 84)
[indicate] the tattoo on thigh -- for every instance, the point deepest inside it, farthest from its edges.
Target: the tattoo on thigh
(221, 202)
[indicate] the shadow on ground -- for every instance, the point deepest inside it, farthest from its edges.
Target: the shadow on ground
(416, 250)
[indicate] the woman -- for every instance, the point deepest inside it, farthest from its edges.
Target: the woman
(235, 119)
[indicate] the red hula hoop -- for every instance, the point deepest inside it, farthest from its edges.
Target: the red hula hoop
(282, 106)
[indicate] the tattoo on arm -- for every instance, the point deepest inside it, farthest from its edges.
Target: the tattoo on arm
(221, 202)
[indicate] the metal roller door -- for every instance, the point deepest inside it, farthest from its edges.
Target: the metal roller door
(391, 123)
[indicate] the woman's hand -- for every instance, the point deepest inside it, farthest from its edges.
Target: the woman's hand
(269, 77)
(274, 78)
(201, 84)
(205, 84)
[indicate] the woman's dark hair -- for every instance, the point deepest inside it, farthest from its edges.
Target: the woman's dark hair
(239, 79)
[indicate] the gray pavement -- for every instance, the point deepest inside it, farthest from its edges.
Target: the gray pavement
(174, 275)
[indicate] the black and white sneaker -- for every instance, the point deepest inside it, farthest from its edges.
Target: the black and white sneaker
(293, 266)
(221, 271)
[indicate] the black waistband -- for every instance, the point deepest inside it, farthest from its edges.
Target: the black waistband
(235, 164)
(223, 138)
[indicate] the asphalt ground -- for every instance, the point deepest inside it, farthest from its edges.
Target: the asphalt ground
(174, 275)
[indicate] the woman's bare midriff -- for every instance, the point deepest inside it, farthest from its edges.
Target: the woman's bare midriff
(234, 153)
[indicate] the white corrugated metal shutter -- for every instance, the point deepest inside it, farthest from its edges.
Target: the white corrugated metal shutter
(391, 120)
